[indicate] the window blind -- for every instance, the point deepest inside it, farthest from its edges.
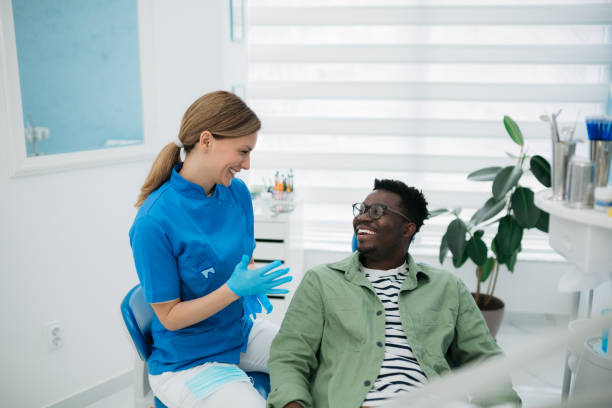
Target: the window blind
(416, 90)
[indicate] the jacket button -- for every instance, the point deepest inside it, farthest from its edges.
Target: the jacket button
(379, 343)
(379, 313)
(367, 383)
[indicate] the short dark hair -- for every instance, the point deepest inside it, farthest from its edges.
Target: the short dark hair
(413, 201)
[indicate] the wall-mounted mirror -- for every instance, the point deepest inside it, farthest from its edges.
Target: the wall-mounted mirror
(75, 80)
(79, 74)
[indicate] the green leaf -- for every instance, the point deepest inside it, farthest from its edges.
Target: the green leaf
(501, 258)
(490, 209)
(455, 237)
(486, 174)
(508, 238)
(525, 211)
(443, 249)
(437, 212)
(477, 250)
(512, 261)
(458, 262)
(479, 233)
(505, 180)
(513, 130)
(540, 168)
(542, 223)
(486, 269)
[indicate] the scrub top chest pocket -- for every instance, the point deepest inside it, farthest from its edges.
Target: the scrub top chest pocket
(200, 272)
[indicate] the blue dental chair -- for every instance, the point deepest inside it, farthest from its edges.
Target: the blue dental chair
(137, 315)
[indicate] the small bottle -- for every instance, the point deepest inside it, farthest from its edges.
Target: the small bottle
(285, 190)
(603, 199)
(276, 186)
(290, 184)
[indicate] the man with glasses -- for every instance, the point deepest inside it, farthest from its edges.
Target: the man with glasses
(371, 327)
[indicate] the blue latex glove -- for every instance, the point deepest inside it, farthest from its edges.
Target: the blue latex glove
(262, 280)
(252, 305)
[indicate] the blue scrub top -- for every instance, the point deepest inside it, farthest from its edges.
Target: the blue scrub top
(185, 246)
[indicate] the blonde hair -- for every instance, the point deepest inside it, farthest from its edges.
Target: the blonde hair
(222, 113)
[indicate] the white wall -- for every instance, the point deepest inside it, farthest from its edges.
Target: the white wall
(64, 249)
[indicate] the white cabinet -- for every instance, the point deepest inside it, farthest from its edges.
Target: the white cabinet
(583, 237)
(279, 237)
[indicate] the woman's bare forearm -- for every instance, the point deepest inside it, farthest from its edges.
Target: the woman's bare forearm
(177, 314)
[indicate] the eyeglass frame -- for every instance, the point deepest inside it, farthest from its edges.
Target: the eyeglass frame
(368, 209)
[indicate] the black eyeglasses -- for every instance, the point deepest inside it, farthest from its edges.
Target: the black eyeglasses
(375, 211)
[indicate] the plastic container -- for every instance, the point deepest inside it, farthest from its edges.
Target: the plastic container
(603, 199)
(592, 373)
(605, 335)
(580, 183)
(592, 368)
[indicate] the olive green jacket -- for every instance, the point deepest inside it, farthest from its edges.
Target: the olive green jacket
(330, 346)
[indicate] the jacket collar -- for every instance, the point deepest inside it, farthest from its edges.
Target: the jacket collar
(189, 188)
(350, 267)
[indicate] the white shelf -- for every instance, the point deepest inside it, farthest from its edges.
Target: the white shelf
(583, 237)
(580, 216)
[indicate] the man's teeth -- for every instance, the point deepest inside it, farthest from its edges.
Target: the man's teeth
(365, 231)
(233, 171)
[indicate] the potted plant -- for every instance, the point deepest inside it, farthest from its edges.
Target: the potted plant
(511, 208)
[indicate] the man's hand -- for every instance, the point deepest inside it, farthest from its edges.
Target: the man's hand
(293, 404)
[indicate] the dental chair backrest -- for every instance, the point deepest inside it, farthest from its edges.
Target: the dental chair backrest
(138, 314)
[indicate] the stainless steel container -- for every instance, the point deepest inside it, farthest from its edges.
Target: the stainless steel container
(563, 151)
(601, 153)
(580, 183)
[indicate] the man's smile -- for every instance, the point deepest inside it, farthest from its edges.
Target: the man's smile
(365, 231)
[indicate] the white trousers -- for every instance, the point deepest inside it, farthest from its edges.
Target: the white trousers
(170, 387)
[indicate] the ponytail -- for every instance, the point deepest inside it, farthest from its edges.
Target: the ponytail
(221, 113)
(160, 171)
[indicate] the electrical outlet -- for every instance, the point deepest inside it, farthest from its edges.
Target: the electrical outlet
(55, 336)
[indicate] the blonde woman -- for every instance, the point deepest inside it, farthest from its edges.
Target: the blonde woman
(192, 241)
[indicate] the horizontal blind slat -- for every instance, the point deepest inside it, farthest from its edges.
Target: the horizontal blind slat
(433, 15)
(435, 53)
(436, 198)
(387, 162)
(399, 127)
(594, 93)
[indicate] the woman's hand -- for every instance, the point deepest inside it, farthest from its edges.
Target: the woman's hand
(246, 281)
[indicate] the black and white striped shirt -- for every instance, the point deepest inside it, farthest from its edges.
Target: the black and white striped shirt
(400, 371)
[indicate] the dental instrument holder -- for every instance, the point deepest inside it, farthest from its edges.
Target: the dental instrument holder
(580, 183)
(601, 153)
(563, 151)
